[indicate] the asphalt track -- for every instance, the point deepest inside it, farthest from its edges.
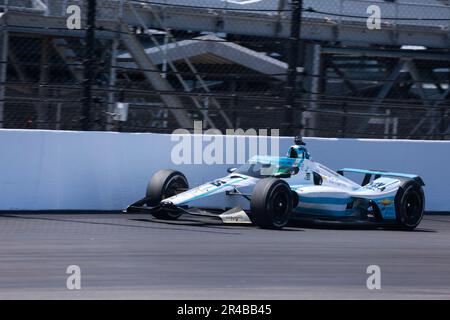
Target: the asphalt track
(137, 257)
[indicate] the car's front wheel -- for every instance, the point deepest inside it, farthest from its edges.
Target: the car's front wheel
(164, 184)
(271, 203)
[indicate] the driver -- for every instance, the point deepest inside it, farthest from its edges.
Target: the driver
(298, 150)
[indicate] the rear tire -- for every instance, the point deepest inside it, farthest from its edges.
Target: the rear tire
(409, 205)
(271, 203)
(164, 184)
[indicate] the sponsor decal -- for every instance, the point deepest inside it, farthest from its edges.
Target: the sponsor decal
(379, 186)
(386, 202)
(218, 183)
(235, 217)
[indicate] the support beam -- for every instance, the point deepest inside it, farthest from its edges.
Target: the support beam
(415, 74)
(15, 63)
(112, 82)
(219, 47)
(313, 67)
(391, 81)
(443, 97)
(154, 77)
(275, 23)
(42, 106)
(443, 112)
(291, 83)
(4, 44)
(419, 81)
(431, 54)
(89, 65)
(341, 74)
(77, 74)
(163, 52)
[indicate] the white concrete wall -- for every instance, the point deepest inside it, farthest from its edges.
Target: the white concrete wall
(57, 170)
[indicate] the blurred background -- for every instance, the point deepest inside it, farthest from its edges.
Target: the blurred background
(313, 67)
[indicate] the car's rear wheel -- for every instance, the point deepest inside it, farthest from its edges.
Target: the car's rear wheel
(164, 184)
(409, 205)
(271, 203)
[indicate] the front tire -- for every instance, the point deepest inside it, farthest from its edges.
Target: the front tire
(409, 205)
(164, 184)
(271, 203)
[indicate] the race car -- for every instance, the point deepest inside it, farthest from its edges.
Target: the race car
(270, 192)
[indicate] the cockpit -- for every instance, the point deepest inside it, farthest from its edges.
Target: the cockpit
(263, 167)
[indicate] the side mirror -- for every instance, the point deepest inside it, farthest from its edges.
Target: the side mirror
(231, 170)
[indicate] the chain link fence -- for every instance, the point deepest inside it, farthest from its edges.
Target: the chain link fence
(335, 68)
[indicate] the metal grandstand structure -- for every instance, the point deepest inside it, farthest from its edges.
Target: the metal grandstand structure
(226, 63)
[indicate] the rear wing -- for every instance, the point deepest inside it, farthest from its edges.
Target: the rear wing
(377, 174)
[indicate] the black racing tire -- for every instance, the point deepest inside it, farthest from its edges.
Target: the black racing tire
(271, 204)
(409, 205)
(164, 184)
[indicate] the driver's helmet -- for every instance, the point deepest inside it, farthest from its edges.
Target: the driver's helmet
(298, 140)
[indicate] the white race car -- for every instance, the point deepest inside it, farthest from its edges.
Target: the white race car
(272, 191)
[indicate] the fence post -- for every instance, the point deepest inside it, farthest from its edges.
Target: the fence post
(4, 50)
(291, 81)
(88, 64)
(344, 120)
(443, 124)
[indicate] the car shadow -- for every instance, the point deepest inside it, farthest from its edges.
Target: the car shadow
(209, 224)
(38, 217)
(199, 226)
(331, 225)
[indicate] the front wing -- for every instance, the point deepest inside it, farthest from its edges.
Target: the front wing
(234, 215)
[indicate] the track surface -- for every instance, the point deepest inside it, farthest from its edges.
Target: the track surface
(137, 257)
